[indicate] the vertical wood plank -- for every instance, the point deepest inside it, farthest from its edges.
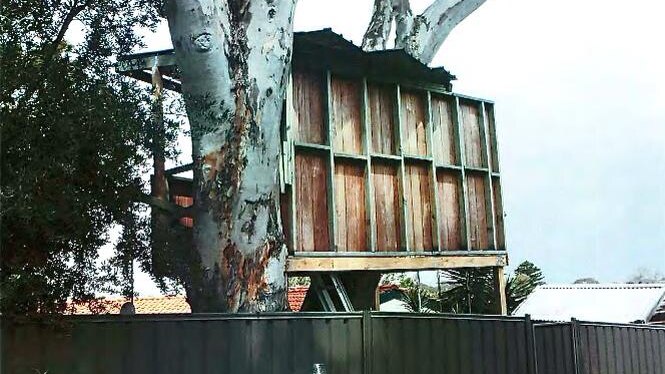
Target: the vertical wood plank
(330, 127)
(498, 212)
(308, 97)
(388, 230)
(367, 133)
(351, 217)
(413, 123)
(312, 206)
(478, 211)
(460, 154)
(419, 206)
(431, 145)
(493, 143)
(450, 219)
(473, 148)
(443, 129)
(402, 179)
(500, 291)
(346, 115)
(381, 110)
(489, 193)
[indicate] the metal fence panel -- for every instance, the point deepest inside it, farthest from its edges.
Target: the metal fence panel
(452, 345)
(278, 344)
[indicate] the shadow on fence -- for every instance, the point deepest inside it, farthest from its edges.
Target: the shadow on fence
(363, 343)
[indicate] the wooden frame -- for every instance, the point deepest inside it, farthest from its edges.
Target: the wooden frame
(424, 157)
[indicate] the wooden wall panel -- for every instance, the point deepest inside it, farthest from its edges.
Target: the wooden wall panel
(311, 202)
(382, 118)
(444, 146)
(450, 221)
(417, 192)
(477, 208)
(308, 100)
(414, 119)
(346, 115)
(387, 207)
(471, 123)
(498, 215)
(489, 115)
(351, 216)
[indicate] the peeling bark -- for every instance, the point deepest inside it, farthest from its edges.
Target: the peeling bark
(234, 57)
(421, 35)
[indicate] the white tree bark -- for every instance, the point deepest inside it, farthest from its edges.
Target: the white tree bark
(234, 55)
(421, 35)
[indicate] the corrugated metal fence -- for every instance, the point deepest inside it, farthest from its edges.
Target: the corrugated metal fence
(363, 343)
(596, 348)
(375, 343)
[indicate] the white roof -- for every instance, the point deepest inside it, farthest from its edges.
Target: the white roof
(617, 303)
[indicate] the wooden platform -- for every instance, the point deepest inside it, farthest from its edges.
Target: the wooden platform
(367, 262)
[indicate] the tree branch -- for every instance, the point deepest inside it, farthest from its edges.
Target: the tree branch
(420, 36)
(432, 27)
(52, 48)
(377, 33)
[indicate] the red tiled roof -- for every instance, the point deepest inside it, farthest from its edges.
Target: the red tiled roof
(164, 304)
(142, 305)
(296, 296)
(177, 304)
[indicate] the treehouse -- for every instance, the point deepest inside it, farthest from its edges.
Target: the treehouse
(383, 167)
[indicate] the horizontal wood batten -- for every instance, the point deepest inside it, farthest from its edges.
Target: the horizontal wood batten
(375, 263)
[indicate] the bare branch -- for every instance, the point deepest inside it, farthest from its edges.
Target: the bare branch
(431, 28)
(422, 35)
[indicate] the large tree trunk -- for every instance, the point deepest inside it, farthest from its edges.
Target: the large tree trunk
(421, 35)
(234, 56)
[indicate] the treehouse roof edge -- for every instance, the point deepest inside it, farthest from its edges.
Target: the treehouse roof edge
(313, 50)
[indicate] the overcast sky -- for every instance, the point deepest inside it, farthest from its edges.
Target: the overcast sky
(579, 88)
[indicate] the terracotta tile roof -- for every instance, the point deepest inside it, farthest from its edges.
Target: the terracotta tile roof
(177, 304)
(164, 304)
(296, 296)
(142, 305)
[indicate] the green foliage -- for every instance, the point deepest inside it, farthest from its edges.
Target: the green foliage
(468, 290)
(526, 278)
(75, 141)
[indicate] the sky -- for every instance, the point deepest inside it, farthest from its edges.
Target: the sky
(579, 88)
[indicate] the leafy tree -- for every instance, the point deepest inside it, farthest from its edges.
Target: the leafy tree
(75, 142)
(471, 290)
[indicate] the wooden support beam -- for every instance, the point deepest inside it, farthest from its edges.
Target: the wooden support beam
(500, 290)
(411, 263)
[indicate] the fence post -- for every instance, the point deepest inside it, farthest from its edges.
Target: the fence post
(367, 342)
(575, 337)
(532, 362)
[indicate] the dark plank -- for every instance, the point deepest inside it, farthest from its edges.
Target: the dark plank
(312, 203)
(386, 207)
(308, 105)
(346, 115)
(449, 210)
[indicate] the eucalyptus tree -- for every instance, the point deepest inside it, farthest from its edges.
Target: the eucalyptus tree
(234, 56)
